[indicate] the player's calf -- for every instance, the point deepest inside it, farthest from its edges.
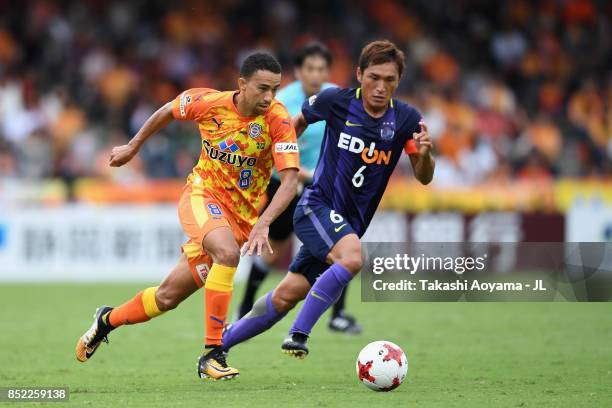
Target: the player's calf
(167, 298)
(283, 301)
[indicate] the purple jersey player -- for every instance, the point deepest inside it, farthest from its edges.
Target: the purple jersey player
(366, 133)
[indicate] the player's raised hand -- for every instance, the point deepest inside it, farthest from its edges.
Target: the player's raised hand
(121, 155)
(258, 241)
(422, 140)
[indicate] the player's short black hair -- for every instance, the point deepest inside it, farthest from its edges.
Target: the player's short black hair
(259, 61)
(310, 49)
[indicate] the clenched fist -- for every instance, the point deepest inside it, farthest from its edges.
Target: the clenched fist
(121, 155)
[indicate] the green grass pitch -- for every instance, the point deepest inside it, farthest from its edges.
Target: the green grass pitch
(460, 354)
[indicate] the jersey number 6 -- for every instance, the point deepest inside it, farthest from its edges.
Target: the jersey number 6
(335, 217)
(359, 177)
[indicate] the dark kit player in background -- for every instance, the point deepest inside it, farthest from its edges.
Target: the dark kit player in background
(366, 133)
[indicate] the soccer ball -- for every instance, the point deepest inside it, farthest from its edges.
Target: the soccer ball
(382, 366)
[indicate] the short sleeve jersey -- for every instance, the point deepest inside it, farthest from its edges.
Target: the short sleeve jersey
(358, 154)
(237, 152)
(293, 97)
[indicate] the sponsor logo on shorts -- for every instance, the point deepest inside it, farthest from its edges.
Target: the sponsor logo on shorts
(286, 148)
(234, 159)
(202, 270)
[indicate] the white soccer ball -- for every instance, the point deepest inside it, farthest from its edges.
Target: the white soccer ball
(382, 366)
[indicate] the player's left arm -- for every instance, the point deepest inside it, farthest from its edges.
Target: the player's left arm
(286, 156)
(421, 158)
(258, 239)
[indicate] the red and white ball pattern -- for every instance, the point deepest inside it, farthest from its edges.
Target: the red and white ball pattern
(382, 366)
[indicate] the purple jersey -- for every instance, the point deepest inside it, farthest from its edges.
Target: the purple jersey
(358, 153)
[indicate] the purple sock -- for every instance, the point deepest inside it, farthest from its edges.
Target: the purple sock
(261, 317)
(323, 294)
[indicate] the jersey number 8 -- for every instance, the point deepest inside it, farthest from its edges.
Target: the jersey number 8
(245, 178)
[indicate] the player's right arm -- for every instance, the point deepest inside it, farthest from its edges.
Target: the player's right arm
(300, 124)
(189, 105)
(157, 121)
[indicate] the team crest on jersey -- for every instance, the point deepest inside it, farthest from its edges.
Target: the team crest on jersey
(255, 130)
(387, 130)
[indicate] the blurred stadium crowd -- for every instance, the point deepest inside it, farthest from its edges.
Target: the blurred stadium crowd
(509, 89)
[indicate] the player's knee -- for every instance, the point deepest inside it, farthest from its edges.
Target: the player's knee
(283, 301)
(351, 261)
(166, 299)
(227, 256)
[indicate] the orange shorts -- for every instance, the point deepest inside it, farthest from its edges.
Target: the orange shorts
(199, 214)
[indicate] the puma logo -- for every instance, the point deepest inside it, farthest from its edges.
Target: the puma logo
(217, 123)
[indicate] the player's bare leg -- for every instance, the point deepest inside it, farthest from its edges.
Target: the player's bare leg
(147, 304)
(222, 246)
(346, 262)
(267, 310)
(259, 271)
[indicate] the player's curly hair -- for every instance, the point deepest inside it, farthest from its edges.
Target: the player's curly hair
(380, 52)
(259, 61)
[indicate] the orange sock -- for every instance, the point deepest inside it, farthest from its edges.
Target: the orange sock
(216, 307)
(140, 308)
(218, 292)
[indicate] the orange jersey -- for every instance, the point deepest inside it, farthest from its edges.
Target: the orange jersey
(237, 152)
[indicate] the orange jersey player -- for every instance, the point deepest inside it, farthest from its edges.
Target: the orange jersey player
(234, 167)
(244, 133)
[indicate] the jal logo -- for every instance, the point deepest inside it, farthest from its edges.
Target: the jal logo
(286, 148)
(184, 100)
(369, 154)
